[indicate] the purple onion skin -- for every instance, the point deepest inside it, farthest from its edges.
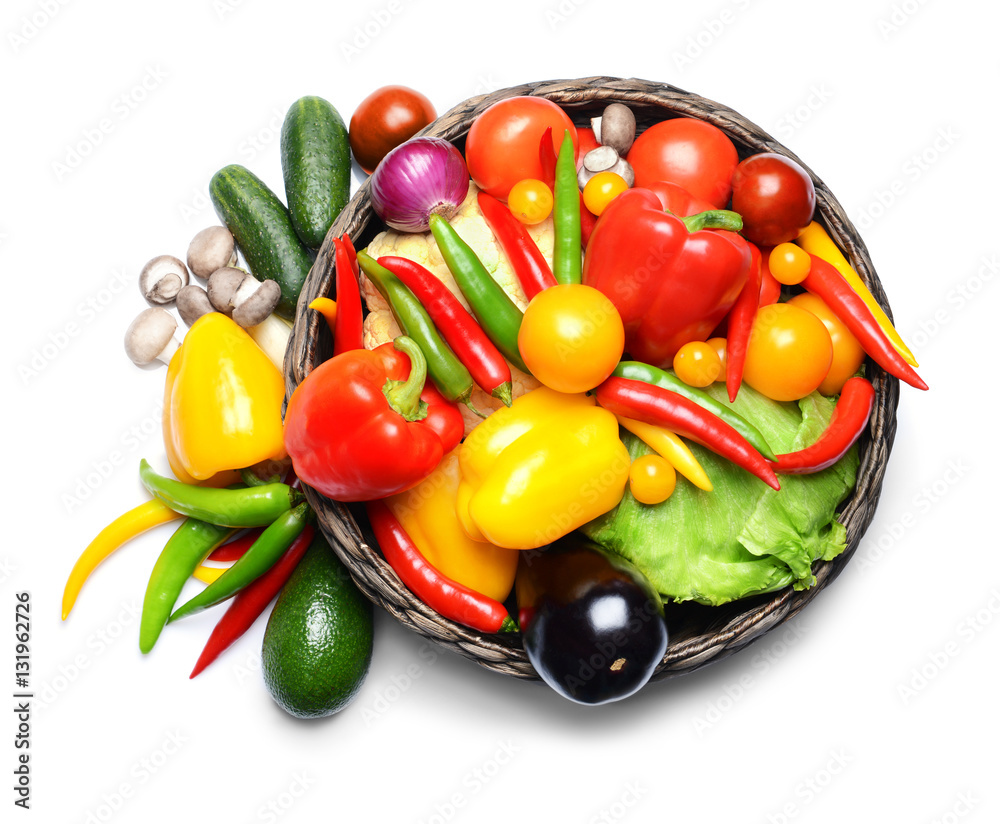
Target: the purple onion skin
(422, 177)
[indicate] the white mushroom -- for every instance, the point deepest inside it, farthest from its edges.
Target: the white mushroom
(212, 248)
(151, 337)
(192, 303)
(254, 301)
(162, 278)
(222, 286)
(604, 159)
(615, 128)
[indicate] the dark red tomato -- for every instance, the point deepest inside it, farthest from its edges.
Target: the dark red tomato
(691, 153)
(775, 197)
(502, 146)
(386, 118)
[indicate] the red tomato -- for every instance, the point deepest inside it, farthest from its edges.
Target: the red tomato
(775, 197)
(502, 146)
(387, 117)
(691, 153)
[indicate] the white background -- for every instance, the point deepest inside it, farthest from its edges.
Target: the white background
(877, 703)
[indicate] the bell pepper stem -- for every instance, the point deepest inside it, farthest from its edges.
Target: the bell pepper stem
(714, 219)
(404, 396)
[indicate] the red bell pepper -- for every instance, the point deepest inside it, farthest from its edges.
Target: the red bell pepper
(671, 279)
(677, 200)
(849, 419)
(364, 425)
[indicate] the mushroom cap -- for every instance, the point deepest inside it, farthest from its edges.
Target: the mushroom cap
(162, 278)
(222, 286)
(260, 303)
(212, 248)
(618, 128)
(192, 303)
(150, 335)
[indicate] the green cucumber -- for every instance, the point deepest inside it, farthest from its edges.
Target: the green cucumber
(316, 164)
(263, 230)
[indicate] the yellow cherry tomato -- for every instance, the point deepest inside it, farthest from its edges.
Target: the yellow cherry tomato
(719, 345)
(571, 337)
(601, 189)
(697, 364)
(788, 263)
(651, 479)
(847, 352)
(788, 354)
(530, 201)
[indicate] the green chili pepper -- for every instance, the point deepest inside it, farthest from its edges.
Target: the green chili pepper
(262, 555)
(253, 506)
(448, 373)
(567, 265)
(191, 543)
(634, 370)
(493, 308)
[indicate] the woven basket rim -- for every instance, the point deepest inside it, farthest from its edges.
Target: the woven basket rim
(734, 626)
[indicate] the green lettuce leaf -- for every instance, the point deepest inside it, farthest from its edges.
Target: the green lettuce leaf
(742, 538)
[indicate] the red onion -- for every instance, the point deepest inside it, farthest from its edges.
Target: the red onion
(422, 177)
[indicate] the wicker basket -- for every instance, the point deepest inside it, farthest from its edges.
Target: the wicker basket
(699, 635)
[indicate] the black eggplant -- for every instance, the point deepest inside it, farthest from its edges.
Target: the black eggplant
(591, 623)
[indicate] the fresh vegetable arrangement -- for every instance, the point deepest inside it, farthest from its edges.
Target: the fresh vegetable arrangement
(582, 368)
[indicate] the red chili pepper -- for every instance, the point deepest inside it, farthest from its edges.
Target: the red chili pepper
(347, 334)
(846, 425)
(529, 264)
(364, 425)
(588, 220)
(251, 601)
(447, 597)
(741, 318)
(770, 289)
(661, 407)
(352, 254)
(236, 548)
(826, 282)
(547, 157)
(456, 325)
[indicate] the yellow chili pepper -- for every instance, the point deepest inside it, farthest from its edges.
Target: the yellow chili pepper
(222, 403)
(208, 574)
(427, 513)
(672, 448)
(121, 530)
(539, 469)
(327, 308)
(815, 240)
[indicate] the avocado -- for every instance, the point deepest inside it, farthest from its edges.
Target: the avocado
(318, 641)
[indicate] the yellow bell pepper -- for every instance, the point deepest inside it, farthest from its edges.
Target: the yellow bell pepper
(222, 402)
(539, 469)
(427, 513)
